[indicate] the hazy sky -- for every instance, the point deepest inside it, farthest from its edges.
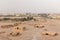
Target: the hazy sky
(43, 6)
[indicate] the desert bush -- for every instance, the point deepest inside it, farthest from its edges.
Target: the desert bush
(16, 24)
(49, 33)
(26, 19)
(7, 26)
(44, 15)
(16, 19)
(19, 19)
(6, 19)
(29, 18)
(1, 19)
(21, 29)
(35, 19)
(39, 26)
(23, 19)
(15, 33)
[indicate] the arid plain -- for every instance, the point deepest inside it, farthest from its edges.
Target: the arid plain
(42, 27)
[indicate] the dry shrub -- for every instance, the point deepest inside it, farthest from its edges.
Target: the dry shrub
(16, 24)
(7, 26)
(6, 19)
(17, 31)
(2, 32)
(49, 33)
(39, 26)
(19, 28)
(40, 19)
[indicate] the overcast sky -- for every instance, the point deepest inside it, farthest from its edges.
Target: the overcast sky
(38, 6)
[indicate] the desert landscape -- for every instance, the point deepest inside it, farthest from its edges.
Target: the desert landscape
(30, 27)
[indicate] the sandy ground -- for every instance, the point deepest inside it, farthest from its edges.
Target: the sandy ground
(31, 32)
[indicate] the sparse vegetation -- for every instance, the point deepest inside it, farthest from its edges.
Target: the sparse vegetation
(23, 19)
(44, 15)
(49, 33)
(26, 27)
(39, 26)
(15, 34)
(6, 19)
(6, 26)
(17, 19)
